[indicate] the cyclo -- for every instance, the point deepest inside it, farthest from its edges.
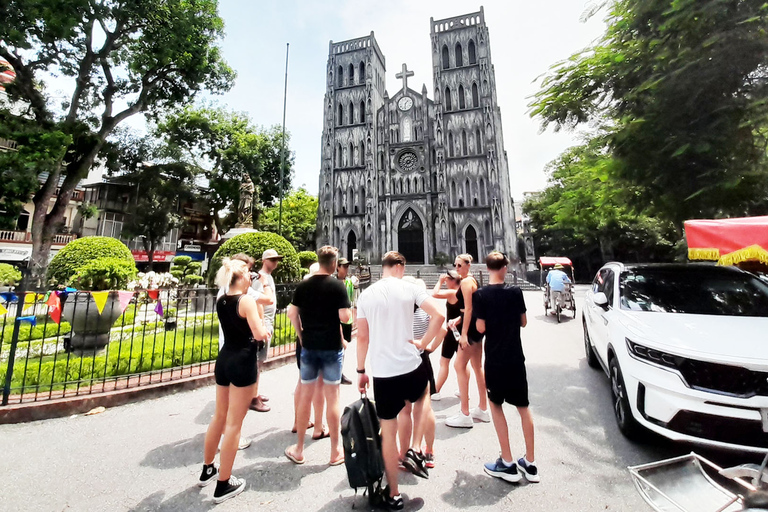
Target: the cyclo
(548, 263)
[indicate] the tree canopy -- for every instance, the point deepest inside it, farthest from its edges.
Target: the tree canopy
(120, 58)
(226, 146)
(680, 88)
(299, 219)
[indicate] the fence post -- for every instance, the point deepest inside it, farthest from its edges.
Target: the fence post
(20, 294)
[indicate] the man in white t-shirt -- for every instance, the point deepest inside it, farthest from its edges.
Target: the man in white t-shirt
(385, 327)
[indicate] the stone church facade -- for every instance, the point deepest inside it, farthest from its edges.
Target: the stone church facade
(409, 173)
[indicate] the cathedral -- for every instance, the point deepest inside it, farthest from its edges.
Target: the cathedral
(408, 173)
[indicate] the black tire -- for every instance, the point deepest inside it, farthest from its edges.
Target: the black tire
(621, 409)
(558, 312)
(590, 352)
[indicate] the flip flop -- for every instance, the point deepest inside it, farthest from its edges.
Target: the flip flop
(338, 462)
(321, 436)
(292, 458)
(311, 425)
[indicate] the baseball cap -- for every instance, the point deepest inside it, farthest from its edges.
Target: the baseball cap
(270, 254)
(343, 261)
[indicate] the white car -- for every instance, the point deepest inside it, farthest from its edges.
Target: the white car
(686, 349)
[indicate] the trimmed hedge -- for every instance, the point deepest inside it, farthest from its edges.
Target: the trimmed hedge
(82, 251)
(254, 244)
(104, 274)
(306, 258)
(9, 275)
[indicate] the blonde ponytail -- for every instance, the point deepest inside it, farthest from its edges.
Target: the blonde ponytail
(231, 270)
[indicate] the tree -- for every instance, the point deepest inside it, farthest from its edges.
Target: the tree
(682, 91)
(299, 219)
(158, 191)
(583, 214)
(122, 57)
(227, 146)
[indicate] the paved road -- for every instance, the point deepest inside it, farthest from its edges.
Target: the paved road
(147, 456)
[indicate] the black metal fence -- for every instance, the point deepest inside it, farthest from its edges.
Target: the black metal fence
(115, 341)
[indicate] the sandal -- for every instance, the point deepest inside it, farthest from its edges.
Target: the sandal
(293, 458)
(337, 462)
(311, 425)
(323, 435)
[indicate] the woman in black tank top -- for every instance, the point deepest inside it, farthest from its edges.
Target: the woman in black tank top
(452, 281)
(470, 351)
(236, 374)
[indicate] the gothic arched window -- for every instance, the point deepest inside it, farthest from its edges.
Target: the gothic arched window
(453, 232)
(483, 192)
(340, 206)
(362, 152)
(339, 160)
(467, 190)
(447, 98)
(453, 193)
(350, 200)
(487, 232)
(459, 56)
(340, 117)
(462, 98)
(351, 113)
(463, 142)
(450, 144)
(479, 142)
(446, 62)
(351, 160)
(362, 111)
(472, 54)
(475, 96)
(351, 74)
(361, 76)
(340, 77)
(362, 199)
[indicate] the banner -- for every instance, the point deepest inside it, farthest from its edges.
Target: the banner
(159, 308)
(54, 307)
(153, 294)
(100, 298)
(31, 319)
(8, 296)
(125, 299)
(3, 310)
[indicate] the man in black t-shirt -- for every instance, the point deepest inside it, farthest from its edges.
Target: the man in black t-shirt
(500, 311)
(319, 304)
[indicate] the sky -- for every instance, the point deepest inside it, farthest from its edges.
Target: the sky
(526, 39)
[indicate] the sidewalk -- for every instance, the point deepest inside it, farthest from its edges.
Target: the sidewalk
(147, 456)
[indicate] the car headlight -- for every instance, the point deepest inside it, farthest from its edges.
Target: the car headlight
(651, 355)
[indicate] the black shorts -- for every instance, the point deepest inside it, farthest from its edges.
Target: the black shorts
(430, 372)
(346, 331)
(450, 345)
(237, 366)
(391, 393)
(507, 384)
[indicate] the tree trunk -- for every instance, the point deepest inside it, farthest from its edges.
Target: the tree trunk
(149, 246)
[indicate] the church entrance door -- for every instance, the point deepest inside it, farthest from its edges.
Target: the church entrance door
(410, 238)
(471, 238)
(351, 245)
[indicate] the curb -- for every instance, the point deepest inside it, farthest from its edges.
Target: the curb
(57, 408)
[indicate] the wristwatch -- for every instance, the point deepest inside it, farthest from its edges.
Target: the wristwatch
(361, 371)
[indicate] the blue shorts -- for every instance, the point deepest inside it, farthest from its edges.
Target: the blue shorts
(329, 362)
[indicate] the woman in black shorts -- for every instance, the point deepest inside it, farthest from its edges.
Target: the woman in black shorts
(236, 373)
(452, 281)
(470, 351)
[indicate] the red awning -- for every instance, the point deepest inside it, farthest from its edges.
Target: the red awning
(549, 261)
(728, 241)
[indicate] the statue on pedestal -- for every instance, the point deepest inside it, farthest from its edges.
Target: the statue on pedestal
(245, 205)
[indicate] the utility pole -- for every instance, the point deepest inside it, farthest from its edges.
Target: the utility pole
(282, 150)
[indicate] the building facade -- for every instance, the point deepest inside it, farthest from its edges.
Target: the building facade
(408, 173)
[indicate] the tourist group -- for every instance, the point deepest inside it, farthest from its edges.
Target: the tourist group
(399, 324)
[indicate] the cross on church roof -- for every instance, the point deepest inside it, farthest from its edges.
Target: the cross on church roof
(404, 75)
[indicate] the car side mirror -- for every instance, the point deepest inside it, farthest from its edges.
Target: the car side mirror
(600, 299)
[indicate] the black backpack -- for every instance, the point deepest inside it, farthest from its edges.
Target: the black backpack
(361, 436)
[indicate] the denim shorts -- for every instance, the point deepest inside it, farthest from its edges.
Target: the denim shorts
(329, 362)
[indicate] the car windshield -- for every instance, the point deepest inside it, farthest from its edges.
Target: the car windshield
(695, 290)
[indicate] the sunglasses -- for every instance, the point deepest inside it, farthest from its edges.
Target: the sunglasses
(458, 265)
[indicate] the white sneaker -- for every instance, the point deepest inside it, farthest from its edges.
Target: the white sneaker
(479, 414)
(459, 421)
(457, 394)
(436, 397)
(243, 444)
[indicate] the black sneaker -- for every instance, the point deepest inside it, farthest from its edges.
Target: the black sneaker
(500, 470)
(530, 471)
(345, 380)
(208, 476)
(414, 462)
(388, 502)
(226, 489)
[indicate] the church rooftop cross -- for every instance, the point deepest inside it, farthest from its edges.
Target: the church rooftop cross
(404, 76)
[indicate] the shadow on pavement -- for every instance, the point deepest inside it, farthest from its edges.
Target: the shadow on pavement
(360, 502)
(193, 498)
(274, 476)
(205, 415)
(178, 454)
(470, 490)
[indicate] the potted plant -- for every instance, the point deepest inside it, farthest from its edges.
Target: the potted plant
(10, 276)
(91, 264)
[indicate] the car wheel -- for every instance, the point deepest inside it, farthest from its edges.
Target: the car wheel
(621, 409)
(591, 356)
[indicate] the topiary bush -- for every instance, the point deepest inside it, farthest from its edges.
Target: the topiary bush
(306, 258)
(9, 275)
(83, 251)
(104, 274)
(254, 244)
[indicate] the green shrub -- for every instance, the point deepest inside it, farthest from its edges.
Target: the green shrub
(254, 244)
(306, 258)
(182, 261)
(193, 280)
(104, 274)
(9, 275)
(82, 251)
